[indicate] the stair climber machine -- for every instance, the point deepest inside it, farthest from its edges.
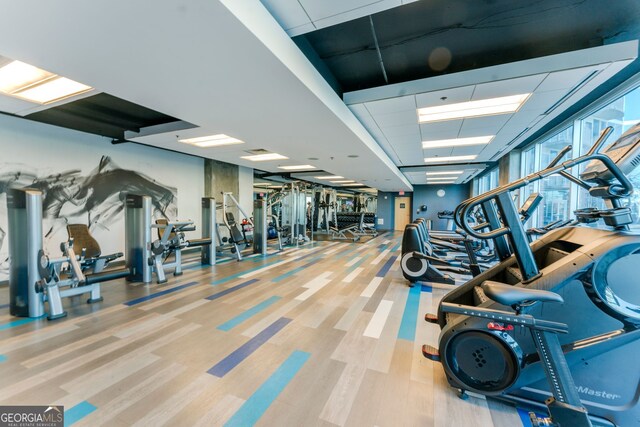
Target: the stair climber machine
(557, 324)
(34, 277)
(146, 256)
(423, 258)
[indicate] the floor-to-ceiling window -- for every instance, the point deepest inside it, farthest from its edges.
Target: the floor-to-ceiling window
(561, 197)
(621, 114)
(555, 190)
(488, 181)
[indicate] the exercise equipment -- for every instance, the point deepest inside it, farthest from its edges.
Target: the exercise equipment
(144, 256)
(34, 277)
(263, 230)
(485, 350)
(236, 233)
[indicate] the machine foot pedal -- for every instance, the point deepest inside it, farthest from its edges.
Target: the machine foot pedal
(431, 318)
(431, 353)
(94, 300)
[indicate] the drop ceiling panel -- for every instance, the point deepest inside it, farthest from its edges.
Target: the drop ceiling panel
(491, 123)
(9, 104)
(399, 131)
(467, 150)
(439, 152)
(453, 95)
(543, 100)
(508, 87)
(565, 79)
(451, 128)
(392, 105)
(396, 119)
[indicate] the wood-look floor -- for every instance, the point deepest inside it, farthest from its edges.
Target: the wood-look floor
(346, 338)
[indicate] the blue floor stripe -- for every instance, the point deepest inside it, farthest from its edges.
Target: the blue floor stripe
(78, 412)
(3, 358)
(19, 322)
(234, 359)
(232, 323)
(426, 288)
(231, 289)
(407, 329)
(357, 264)
(258, 403)
(159, 294)
(387, 265)
(235, 276)
(287, 274)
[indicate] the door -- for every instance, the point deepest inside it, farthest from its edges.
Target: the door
(402, 213)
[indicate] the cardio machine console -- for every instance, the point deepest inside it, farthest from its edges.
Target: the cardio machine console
(625, 152)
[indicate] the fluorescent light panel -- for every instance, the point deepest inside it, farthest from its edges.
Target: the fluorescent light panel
(347, 181)
(440, 183)
(212, 140)
(297, 167)
(53, 90)
(329, 177)
(484, 107)
(36, 85)
(265, 157)
(449, 159)
(458, 142)
(353, 185)
(443, 178)
(445, 173)
(17, 75)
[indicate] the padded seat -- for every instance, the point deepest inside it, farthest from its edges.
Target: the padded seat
(512, 295)
(83, 239)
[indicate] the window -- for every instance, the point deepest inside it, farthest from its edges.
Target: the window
(555, 189)
(561, 197)
(622, 113)
(488, 182)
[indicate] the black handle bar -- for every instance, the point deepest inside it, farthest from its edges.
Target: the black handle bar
(465, 207)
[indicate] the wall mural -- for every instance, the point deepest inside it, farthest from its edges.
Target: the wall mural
(95, 199)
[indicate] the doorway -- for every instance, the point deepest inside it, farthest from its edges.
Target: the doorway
(402, 213)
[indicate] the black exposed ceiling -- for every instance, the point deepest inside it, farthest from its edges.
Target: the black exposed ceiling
(102, 114)
(434, 37)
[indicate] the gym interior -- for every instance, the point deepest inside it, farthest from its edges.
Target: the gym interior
(320, 213)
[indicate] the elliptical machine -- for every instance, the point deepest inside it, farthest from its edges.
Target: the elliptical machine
(486, 349)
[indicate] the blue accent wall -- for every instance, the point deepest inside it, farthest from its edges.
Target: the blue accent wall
(386, 204)
(426, 195)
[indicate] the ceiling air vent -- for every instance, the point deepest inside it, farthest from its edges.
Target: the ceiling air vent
(258, 151)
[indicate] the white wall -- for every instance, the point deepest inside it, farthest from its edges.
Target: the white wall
(41, 150)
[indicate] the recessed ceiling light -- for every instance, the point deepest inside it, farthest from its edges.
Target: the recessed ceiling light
(212, 140)
(52, 90)
(353, 185)
(445, 173)
(342, 182)
(457, 142)
(448, 159)
(17, 75)
(484, 107)
(329, 177)
(443, 178)
(297, 167)
(441, 182)
(265, 157)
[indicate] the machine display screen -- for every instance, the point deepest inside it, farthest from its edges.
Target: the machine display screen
(626, 140)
